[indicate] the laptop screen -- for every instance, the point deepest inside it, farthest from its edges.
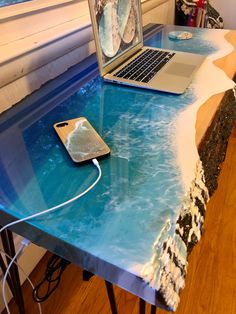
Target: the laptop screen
(118, 27)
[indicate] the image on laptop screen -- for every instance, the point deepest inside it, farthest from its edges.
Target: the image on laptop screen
(118, 26)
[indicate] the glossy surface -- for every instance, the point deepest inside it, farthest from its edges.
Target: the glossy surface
(4, 3)
(120, 219)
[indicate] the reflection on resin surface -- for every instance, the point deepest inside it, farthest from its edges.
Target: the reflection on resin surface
(4, 3)
(141, 187)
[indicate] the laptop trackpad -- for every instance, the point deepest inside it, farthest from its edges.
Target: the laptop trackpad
(180, 69)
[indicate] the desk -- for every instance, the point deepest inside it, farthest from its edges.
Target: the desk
(138, 225)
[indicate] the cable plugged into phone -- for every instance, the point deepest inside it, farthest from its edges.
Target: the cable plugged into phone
(96, 163)
(26, 242)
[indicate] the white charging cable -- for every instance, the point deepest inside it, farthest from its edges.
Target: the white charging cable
(24, 243)
(26, 276)
(95, 162)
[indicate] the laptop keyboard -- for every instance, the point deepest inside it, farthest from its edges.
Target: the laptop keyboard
(145, 66)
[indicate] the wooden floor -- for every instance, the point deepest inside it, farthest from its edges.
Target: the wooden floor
(211, 280)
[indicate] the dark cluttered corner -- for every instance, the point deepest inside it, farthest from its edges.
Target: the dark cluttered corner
(197, 13)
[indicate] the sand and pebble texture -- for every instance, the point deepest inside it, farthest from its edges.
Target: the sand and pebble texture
(126, 20)
(200, 179)
(109, 31)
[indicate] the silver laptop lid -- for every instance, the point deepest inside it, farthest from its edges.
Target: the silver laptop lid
(117, 27)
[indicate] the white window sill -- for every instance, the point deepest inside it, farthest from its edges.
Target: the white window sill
(60, 34)
(29, 7)
(24, 48)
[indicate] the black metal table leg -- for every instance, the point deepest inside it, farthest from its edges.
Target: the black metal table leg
(142, 305)
(9, 248)
(111, 297)
(87, 275)
(153, 309)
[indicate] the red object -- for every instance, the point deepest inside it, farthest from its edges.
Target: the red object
(200, 3)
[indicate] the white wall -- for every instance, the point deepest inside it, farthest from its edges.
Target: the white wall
(227, 9)
(58, 38)
(160, 12)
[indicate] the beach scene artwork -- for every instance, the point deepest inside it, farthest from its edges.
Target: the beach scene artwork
(118, 26)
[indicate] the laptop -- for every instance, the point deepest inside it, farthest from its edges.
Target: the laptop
(122, 57)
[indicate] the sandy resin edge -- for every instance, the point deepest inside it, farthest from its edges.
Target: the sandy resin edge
(167, 268)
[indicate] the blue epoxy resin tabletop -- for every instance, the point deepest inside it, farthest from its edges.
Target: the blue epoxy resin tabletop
(112, 230)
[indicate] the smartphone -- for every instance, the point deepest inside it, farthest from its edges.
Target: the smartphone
(81, 140)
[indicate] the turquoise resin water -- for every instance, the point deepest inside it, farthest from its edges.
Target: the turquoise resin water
(4, 3)
(122, 216)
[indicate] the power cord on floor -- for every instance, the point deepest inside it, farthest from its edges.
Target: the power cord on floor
(26, 276)
(55, 267)
(24, 243)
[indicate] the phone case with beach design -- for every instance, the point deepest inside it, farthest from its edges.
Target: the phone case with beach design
(81, 140)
